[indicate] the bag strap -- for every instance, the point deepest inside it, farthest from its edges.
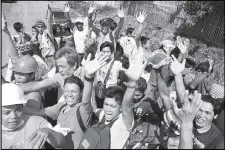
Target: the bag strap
(146, 135)
(80, 121)
(108, 73)
(110, 124)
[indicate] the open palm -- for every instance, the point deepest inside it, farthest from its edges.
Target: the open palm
(92, 8)
(120, 12)
(182, 45)
(187, 113)
(91, 66)
(136, 66)
(176, 67)
(67, 8)
(141, 17)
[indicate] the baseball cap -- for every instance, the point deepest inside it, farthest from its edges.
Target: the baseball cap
(12, 99)
(39, 21)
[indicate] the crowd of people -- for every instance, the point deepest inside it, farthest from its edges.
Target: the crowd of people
(81, 87)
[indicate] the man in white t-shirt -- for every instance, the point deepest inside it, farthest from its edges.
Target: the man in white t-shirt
(80, 30)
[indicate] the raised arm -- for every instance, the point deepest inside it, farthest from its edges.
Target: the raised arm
(140, 19)
(194, 84)
(90, 68)
(7, 42)
(186, 115)
(66, 13)
(183, 47)
(133, 73)
(49, 23)
(92, 8)
(163, 91)
(177, 68)
(40, 85)
(121, 15)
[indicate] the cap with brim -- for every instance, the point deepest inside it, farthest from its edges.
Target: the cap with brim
(40, 22)
(79, 20)
(12, 99)
(22, 70)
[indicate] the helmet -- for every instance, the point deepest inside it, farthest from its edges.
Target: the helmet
(26, 64)
(12, 99)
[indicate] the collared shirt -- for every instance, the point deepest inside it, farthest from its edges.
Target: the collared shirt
(46, 46)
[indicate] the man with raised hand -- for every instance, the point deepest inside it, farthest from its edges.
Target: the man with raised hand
(105, 33)
(117, 107)
(80, 29)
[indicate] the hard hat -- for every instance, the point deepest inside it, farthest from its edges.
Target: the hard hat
(12, 99)
(25, 64)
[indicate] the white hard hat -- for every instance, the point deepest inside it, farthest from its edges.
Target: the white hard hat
(12, 94)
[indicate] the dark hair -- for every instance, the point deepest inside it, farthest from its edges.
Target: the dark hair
(175, 52)
(69, 53)
(18, 26)
(203, 66)
(54, 29)
(190, 63)
(113, 26)
(107, 44)
(77, 23)
(75, 80)
(144, 40)
(30, 52)
(34, 27)
(115, 92)
(141, 85)
(129, 31)
(215, 103)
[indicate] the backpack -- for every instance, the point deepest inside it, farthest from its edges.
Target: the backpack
(97, 137)
(143, 137)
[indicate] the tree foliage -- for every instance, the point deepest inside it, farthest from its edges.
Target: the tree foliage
(194, 10)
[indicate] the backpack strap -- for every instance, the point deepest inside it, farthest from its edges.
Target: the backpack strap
(112, 38)
(80, 121)
(113, 41)
(108, 73)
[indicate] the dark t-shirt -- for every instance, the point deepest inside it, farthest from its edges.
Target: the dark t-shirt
(219, 122)
(212, 139)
